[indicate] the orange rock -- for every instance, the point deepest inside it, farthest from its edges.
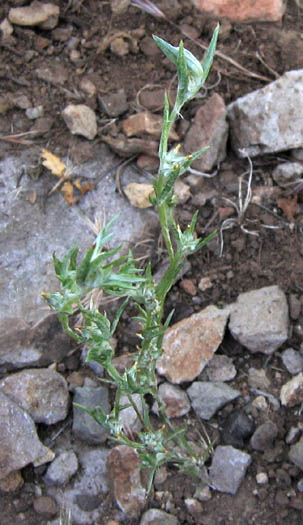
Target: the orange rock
(244, 10)
(145, 122)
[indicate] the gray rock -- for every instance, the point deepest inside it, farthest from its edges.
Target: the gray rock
(269, 119)
(237, 428)
(292, 435)
(209, 128)
(114, 104)
(42, 392)
(208, 397)
(84, 426)
(292, 360)
(228, 469)
(296, 454)
(259, 319)
(19, 443)
(34, 113)
(28, 230)
(45, 506)
(257, 378)
(175, 400)
(62, 468)
(221, 368)
(292, 392)
(158, 517)
(128, 416)
(288, 173)
(52, 73)
(264, 436)
(85, 498)
(80, 120)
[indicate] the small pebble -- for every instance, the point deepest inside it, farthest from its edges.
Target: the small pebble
(262, 478)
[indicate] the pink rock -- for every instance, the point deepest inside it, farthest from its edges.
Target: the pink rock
(209, 128)
(292, 392)
(176, 401)
(123, 466)
(244, 10)
(190, 344)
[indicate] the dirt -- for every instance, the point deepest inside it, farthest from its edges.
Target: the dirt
(247, 261)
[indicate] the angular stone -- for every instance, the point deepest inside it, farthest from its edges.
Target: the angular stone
(19, 443)
(62, 468)
(208, 397)
(42, 392)
(14, 481)
(257, 378)
(269, 119)
(245, 11)
(145, 122)
(175, 400)
(158, 517)
(209, 128)
(287, 173)
(292, 392)
(292, 360)
(123, 466)
(84, 425)
(296, 454)
(190, 344)
(264, 436)
(128, 416)
(221, 368)
(237, 428)
(80, 120)
(138, 194)
(228, 469)
(259, 319)
(114, 104)
(52, 73)
(36, 14)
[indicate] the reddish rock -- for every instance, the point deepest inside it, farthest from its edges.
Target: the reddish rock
(123, 466)
(12, 482)
(209, 128)
(148, 163)
(46, 506)
(244, 10)
(176, 401)
(188, 286)
(145, 123)
(190, 344)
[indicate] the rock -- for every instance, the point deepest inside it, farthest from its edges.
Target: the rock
(268, 120)
(207, 397)
(34, 113)
(19, 443)
(84, 426)
(128, 416)
(149, 47)
(12, 482)
(262, 478)
(114, 104)
(209, 128)
(292, 360)
(205, 283)
(175, 400)
(189, 287)
(30, 229)
(61, 469)
(80, 120)
(228, 469)
(189, 344)
(123, 467)
(138, 194)
(292, 435)
(148, 163)
(182, 192)
(88, 490)
(237, 428)
(259, 319)
(260, 403)
(45, 506)
(221, 368)
(294, 306)
(257, 378)
(42, 392)
(296, 454)
(152, 99)
(194, 507)
(119, 47)
(264, 436)
(88, 87)
(145, 122)
(6, 29)
(52, 73)
(287, 173)
(246, 11)
(203, 493)
(158, 517)
(36, 14)
(292, 392)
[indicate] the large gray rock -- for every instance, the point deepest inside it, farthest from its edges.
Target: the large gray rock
(259, 319)
(207, 397)
(43, 393)
(269, 119)
(19, 443)
(30, 233)
(158, 517)
(64, 466)
(228, 469)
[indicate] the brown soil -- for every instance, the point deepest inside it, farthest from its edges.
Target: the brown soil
(248, 261)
